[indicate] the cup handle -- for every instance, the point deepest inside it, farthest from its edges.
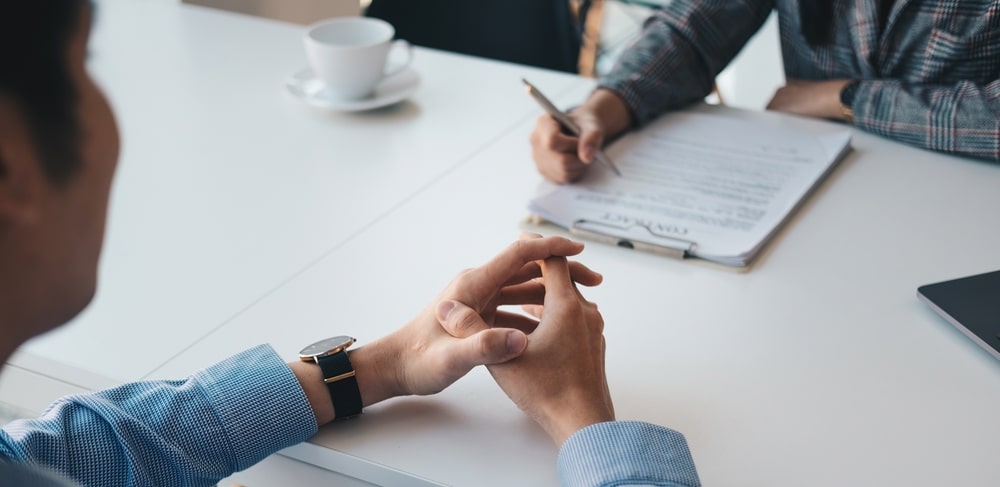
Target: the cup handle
(400, 43)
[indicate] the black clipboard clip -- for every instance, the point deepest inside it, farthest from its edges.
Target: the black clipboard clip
(663, 245)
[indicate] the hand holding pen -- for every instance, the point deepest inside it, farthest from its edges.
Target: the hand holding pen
(563, 145)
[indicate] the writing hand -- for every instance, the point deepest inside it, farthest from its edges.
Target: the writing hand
(563, 158)
(560, 157)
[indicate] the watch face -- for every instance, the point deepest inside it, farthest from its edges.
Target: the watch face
(325, 347)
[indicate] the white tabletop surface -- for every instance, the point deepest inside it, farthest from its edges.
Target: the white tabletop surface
(818, 367)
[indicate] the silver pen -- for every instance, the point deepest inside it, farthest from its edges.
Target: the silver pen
(566, 122)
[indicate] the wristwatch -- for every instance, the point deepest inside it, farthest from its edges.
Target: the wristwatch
(338, 373)
(847, 94)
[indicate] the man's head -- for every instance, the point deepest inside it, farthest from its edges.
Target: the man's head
(58, 149)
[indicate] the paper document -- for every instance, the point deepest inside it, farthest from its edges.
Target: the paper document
(705, 185)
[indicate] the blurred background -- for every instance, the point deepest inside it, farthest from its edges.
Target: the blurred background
(582, 36)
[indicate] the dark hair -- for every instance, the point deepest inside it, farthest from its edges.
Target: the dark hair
(34, 73)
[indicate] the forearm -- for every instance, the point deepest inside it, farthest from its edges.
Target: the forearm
(961, 119)
(681, 50)
(612, 111)
(189, 432)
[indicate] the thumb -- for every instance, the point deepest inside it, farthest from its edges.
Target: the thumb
(479, 343)
(591, 140)
(492, 346)
(459, 320)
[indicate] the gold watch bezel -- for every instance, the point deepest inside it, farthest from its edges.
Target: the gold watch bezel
(326, 347)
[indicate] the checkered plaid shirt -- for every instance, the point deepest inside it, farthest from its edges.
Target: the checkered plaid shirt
(930, 78)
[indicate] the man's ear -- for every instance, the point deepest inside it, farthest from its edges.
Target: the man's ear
(21, 175)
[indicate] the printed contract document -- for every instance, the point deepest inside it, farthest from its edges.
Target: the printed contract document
(700, 185)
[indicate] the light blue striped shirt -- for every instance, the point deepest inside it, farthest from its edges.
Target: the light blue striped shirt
(235, 413)
(626, 453)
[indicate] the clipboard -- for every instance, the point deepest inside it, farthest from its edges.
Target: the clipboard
(686, 193)
(665, 245)
(680, 251)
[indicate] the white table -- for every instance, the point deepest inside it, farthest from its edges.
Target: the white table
(819, 367)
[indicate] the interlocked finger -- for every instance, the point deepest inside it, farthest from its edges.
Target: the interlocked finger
(477, 287)
(528, 293)
(507, 319)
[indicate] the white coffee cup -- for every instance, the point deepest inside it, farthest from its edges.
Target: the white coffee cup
(349, 54)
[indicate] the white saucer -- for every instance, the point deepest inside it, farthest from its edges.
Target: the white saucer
(305, 86)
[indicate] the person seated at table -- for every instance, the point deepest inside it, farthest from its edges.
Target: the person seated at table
(921, 72)
(58, 154)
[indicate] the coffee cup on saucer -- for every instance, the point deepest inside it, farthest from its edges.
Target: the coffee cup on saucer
(349, 55)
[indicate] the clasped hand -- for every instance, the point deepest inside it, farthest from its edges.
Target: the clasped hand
(550, 363)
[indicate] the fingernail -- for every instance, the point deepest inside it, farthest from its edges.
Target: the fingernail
(516, 341)
(444, 309)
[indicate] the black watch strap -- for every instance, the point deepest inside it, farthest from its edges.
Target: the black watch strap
(338, 374)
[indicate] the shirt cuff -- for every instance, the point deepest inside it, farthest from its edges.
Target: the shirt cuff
(259, 402)
(626, 453)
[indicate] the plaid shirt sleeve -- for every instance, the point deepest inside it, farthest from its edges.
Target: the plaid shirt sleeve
(930, 77)
(963, 118)
(683, 47)
(189, 432)
(934, 80)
